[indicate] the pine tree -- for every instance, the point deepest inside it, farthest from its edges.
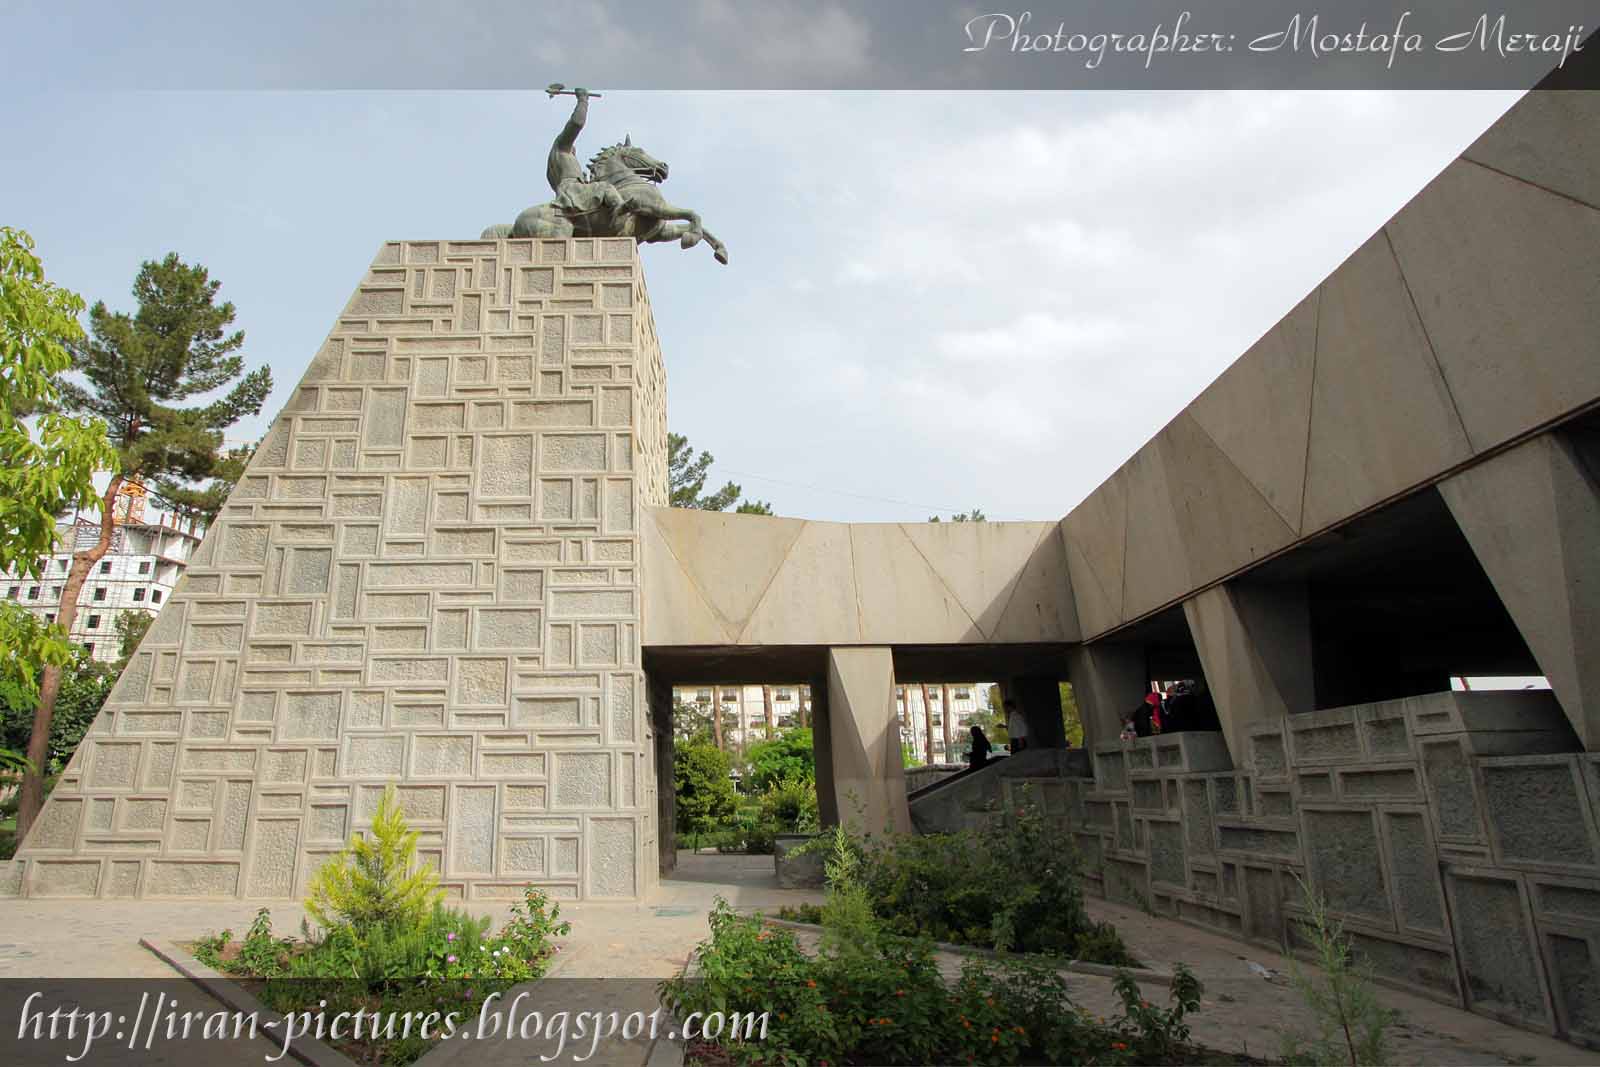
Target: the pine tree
(145, 374)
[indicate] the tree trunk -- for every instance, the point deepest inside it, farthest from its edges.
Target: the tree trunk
(716, 716)
(927, 723)
(948, 713)
(31, 796)
(766, 706)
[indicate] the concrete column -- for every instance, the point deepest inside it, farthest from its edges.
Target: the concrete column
(1039, 696)
(869, 784)
(1532, 516)
(1255, 646)
(822, 753)
(1109, 680)
(659, 695)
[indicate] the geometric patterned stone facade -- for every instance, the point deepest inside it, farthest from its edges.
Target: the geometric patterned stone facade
(1456, 836)
(428, 577)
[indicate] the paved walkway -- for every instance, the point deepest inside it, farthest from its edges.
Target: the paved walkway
(1241, 1011)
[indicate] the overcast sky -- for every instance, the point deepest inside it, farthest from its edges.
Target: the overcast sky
(936, 300)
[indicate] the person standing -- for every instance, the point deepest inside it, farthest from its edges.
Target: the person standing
(979, 755)
(1016, 726)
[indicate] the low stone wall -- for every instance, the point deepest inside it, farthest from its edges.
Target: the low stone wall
(973, 803)
(929, 773)
(1454, 835)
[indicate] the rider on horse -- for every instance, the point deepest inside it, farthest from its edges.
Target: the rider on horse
(575, 193)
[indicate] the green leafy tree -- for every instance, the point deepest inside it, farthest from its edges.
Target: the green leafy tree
(145, 375)
(706, 797)
(377, 880)
(687, 471)
(85, 685)
(131, 627)
(46, 468)
(789, 755)
(966, 516)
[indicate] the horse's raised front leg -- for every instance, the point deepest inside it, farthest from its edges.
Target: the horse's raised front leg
(687, 233)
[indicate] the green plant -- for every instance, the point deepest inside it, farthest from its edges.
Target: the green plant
(705, 794)
(882, 1000)
(1018, 889)
(1352, 1027)
(208, 949)
(260, 954)
(785, 757)
(376, 880)
(1158, 1034)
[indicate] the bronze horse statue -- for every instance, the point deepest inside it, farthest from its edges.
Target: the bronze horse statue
(619, 196)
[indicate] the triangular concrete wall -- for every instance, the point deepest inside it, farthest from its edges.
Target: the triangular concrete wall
(428, 577)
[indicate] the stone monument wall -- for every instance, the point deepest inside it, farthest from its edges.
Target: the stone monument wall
(427, 578)
(1454, 835)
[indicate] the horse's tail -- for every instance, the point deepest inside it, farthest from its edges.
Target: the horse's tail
(499, 229)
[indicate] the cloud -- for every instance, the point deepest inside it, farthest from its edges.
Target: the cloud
(1032, 336)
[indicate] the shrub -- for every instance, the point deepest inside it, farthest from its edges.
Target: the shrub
(789, 756)
(446, 958)
(1017, 888)
(790, 805)
(706, 798)
(873, 997)
(1352, 1027)
(376, 880)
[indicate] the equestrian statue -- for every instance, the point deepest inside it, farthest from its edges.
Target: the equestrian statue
(618, 196)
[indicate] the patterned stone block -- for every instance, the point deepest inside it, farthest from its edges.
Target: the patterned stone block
(1536, 810)
(1499, 957)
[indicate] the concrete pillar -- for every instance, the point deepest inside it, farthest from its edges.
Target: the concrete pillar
(1109, 680)
(869, 784)
(1254, 643)
(1532, 516)
(822, 754)
(659, 695)
(1039, 697)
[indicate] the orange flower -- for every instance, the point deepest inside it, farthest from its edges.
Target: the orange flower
(994, 1038)
(899, 992)
(1119, 1046)
(811, 984)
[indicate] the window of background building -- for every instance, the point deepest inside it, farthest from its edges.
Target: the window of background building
(105, 566)
(94, 622)
(11, 594)
(89, 648)
(703, 696)
(138, 595)
(33, 592)
(144, 567)
(50, 617)
(100, 592)
(61, 564)
(961, 694)
(155, 596)
(785, 694)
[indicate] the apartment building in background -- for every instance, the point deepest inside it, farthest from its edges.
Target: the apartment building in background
(745, 710)
(137, 574)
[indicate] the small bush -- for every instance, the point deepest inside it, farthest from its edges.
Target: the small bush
(879, 998)
(1017, 888)
(1352, 1027)
(376, 880)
